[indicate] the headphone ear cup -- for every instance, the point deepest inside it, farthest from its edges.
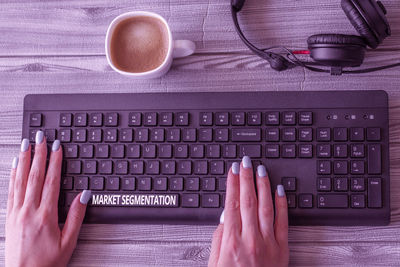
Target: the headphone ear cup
(337, 50)
(359, 23)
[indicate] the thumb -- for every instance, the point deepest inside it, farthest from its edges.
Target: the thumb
(74, 220)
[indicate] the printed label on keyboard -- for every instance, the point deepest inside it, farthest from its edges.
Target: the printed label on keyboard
(146, 200)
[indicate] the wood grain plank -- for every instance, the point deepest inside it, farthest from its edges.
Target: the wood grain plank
(78, 27)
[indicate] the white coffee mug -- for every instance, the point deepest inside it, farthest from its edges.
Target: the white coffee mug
(176, 48)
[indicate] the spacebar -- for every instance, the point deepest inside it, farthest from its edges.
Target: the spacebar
(117, 199)
(333, 201)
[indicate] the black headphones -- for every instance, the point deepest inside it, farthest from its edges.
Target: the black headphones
(336, 51)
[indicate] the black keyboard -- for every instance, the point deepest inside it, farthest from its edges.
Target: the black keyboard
(163, 157)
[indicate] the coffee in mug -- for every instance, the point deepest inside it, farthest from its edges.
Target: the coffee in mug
(140, 44)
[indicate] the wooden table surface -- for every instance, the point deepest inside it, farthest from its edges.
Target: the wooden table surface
(58, 47)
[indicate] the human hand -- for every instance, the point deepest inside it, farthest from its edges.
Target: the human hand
(33, 236)
(248, 234)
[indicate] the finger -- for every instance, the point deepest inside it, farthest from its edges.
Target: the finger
(281, 220)
(21, 178)
(51, 187)
(10, 201)
(38, 169)
(265, 205)
(248, 198)
(216, 246)
(74, 220)
(232, 222)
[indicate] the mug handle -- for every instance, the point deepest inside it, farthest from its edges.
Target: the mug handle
(183, 48)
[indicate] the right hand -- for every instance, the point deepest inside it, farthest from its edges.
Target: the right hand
(249, 235)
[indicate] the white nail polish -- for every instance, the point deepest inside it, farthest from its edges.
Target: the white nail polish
(85, 197)
(15, 163)
(24, 145)
(235, 168)
(281, 190)
(246, 161)
(55, 146)
(261, 171)
(221, 219)
(39, 137)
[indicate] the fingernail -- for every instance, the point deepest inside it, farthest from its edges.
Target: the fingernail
(261, 171)
(246, 161)
(281, 190)
(24, 145)
(39, 137)
(221, 219)
(85, 197)
(235, 168)
(55, 146)
(15, 163)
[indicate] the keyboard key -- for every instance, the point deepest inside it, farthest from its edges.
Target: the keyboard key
(80, 120)
(217, 167)
(168, 167)
(253, 151)
(289, 183)
(67, 183)
(189, 135)
(272, 151)
(65, 120)
(305, 118)
(206, 119)
(222, 184)
(185, 167)
(254, 118)
(357, 184)
(340, 134)
(357, 167)
(357, 151)
(192, 184)
(79, 135)
(128, 183)
(181, 151)
(246, 135)
(289, 134)
(176, 184)
(74, 166)
(288, 151)
(221, 135)
(137, 167)
(291, 200)
(95, 135)
(305, 201)
(121, 167)
(340, 184)
(96, 183)
(70, 151)
(144, 183)
(324, 184)
(90, 167)
(165, 151)
(324, 167)
(64, 135)
(50, 135)
(357, 201)
(126, 135)
(81, 182)
(213, 151)
(356, 134)
(238, 118)
(332, 201)
(374, 159)
(35, 120)
(105, 167)
(160, 184)
(173, 135)
(210, 201)
(289, 118)
(305, 134)
(323, 134)
(205, 135)
(111, 119)
(374, 193)
(112, 183)
(323, 151)
(340, 167)
(182, 119)
(150, 119)
(135, 119)
(142, 135)
(373, 134)
(190, 200)
(229, 151)
(272, 134)
(200, 167)
(110, 135)
(102, 151)
(87, 151)
(272, 118)
(340, 151)
(95, 119)
(208, 184)
(149, 151)
(133, 151)
(166, 119)
(222, 118)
